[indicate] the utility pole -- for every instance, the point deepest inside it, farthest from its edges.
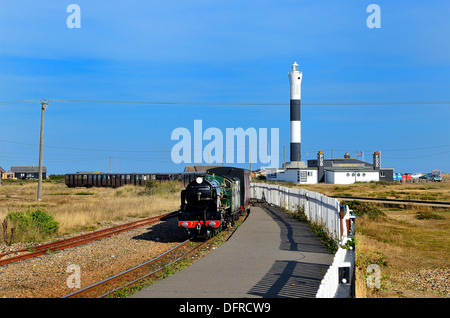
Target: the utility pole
(44, 105)
(250, 157)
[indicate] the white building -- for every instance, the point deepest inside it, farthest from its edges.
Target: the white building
(337, 171)
(301, 176)
(351, 176)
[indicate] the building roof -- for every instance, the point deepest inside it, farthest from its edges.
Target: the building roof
(2, 170)
(350, 169)
(201, 168)
(340, 162)
(28, 169)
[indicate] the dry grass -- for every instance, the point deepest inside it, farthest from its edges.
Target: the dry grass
(80, 209)
(402, 242)
(433, 191)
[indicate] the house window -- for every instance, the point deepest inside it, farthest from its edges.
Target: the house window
(382, 174)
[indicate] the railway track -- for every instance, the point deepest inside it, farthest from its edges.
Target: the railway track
(438, 204)
(139, 272)
(77, 240)
(150, 268)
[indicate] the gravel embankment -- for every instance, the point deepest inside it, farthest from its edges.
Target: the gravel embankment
(46, 276)
(432, 280)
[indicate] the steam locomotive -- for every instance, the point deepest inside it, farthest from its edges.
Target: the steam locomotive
(210, 203)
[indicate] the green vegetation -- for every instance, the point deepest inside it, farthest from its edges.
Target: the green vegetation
(84, 193)
(425, 215)
(158, 187)
(57, 178)
(32, 226)
(365, 208)
(318, 229)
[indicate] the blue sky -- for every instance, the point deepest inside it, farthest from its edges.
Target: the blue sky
(228, 52)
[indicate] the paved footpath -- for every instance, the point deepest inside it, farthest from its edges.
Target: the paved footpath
(271, 255)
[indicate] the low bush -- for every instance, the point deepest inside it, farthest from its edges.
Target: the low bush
(365, 208)
(425, 215)
(162, 187)
(32, 225)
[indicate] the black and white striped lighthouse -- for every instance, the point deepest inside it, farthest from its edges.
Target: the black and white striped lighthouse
(295, 80)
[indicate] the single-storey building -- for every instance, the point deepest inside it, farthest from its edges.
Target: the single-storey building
(28, 172)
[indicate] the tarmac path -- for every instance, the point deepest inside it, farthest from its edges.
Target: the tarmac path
(271, 255)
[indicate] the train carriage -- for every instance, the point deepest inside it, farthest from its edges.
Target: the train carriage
(114, 180)
(243, 175)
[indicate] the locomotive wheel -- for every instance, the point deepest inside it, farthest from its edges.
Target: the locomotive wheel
(207, 235)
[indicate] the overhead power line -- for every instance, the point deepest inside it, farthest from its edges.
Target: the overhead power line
(168, 151)
(253, 103)
(216, 103)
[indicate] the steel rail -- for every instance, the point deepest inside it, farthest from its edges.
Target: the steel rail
(136, 268)
(79, 240)
(159, 269)
(109, 279)
(399, 201)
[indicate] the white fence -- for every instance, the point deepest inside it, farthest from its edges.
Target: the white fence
(332, 285)
(321, 209)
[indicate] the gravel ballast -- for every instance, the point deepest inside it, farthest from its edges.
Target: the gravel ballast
(432, 280)
(49, 275)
